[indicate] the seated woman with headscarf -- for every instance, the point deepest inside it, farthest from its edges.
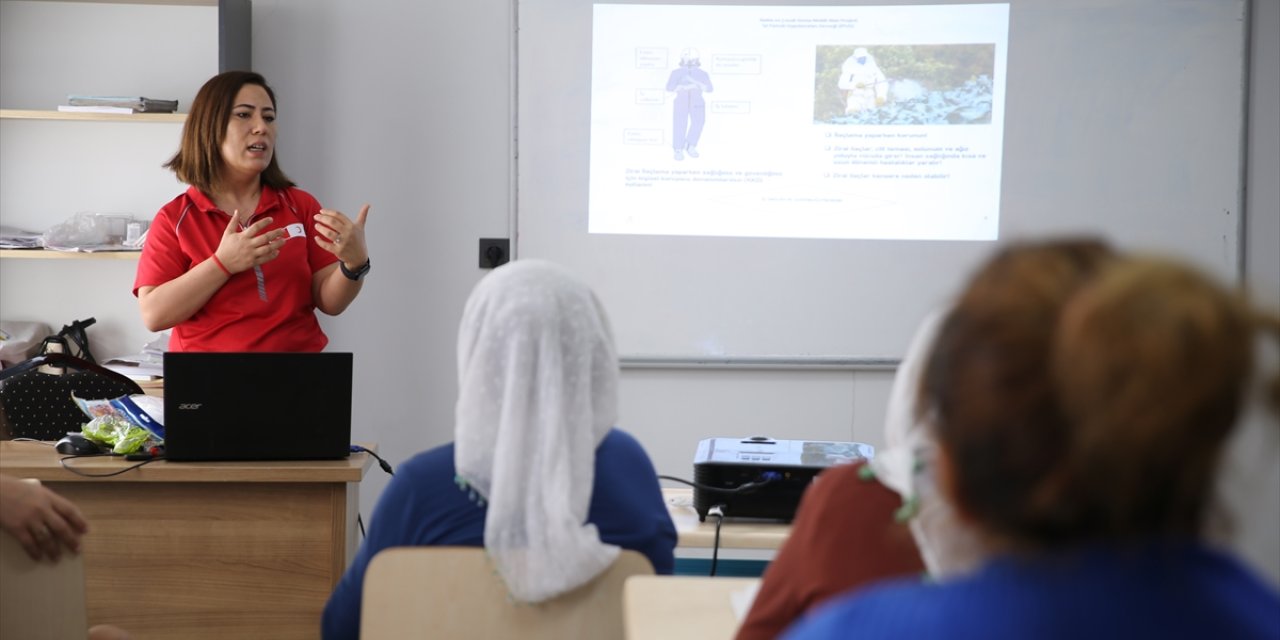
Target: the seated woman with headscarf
(537, 473)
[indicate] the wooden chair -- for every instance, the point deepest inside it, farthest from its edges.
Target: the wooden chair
(455, 592)
(686, 607)
(41, 600)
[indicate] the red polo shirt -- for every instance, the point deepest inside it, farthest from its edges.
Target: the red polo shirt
(268, 308)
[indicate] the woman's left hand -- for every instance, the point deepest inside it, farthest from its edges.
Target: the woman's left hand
(43, 522)
(342, 237)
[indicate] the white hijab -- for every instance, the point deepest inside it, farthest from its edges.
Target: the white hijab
(538, 391)
(948, 546)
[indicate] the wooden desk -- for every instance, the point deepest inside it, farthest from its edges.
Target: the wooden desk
(735, 533)
(685, 607)
(207, 550)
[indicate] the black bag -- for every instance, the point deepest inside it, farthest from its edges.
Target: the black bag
(38, 405)
(72, 334)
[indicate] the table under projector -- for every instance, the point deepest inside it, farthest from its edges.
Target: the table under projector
(759, 477)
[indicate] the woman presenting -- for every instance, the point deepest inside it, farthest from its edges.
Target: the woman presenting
(242, 259)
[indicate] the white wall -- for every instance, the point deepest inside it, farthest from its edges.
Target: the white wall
(407, 106)
(1260, 542)
(404, 106)
(51, 170)
(1262, 198)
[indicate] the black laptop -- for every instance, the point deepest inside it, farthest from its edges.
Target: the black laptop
(257, 406)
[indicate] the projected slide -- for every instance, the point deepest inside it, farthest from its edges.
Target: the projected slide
(798, 122)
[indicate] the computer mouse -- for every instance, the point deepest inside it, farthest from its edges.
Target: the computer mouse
(77, 445)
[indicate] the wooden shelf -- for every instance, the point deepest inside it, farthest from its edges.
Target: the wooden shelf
(31, 114)
(193, 3)
(45, 254)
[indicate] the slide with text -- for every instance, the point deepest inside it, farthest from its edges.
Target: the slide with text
(798, 122)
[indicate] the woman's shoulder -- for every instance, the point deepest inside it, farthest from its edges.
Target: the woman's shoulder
(188, 198)
(620, 455)
(616, 436)
(620, 443)
(437, 461)
(895, 608)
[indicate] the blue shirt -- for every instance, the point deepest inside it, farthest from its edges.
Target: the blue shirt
(423, 506)
(1175, 590)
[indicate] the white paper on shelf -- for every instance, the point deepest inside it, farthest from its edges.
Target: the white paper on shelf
(93, 109)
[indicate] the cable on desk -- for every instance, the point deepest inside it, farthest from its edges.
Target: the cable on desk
(47, 443)
(766, 478)
(63, 461)
(718, 512)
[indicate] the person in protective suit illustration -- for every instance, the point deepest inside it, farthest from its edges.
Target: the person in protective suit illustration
(688, 82)
(865, 83)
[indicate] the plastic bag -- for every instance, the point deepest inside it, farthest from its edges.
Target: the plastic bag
(126, 424)
(88, 231)
(20, 340)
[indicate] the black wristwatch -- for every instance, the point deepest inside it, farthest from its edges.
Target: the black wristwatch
(359, 272)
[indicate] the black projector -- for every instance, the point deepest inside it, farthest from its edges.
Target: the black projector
(778, 470)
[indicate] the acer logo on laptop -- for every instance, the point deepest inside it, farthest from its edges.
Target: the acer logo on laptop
(189, 406)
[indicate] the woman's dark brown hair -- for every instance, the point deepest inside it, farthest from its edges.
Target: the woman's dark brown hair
(987, 391)
(1152, 362)
(198, 161)
(1079, 396)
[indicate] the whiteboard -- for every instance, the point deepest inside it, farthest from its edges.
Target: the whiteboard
(1121, 119)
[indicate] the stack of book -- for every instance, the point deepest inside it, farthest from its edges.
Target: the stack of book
(118, 104)
(148, 365)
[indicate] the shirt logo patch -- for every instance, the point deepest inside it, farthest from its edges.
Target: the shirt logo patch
(295, 230)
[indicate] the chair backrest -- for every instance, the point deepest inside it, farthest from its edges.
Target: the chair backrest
(680, 607)
(455, 592)
(41, 600)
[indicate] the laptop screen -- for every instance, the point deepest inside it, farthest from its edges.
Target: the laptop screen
(257, 406)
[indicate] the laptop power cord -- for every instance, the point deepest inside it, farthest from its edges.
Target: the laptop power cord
(386, 466)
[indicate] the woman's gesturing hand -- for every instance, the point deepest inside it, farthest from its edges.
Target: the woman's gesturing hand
(244, 249)
(342, 236)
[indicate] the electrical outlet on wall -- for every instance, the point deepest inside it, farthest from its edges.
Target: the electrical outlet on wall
(494, 252)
